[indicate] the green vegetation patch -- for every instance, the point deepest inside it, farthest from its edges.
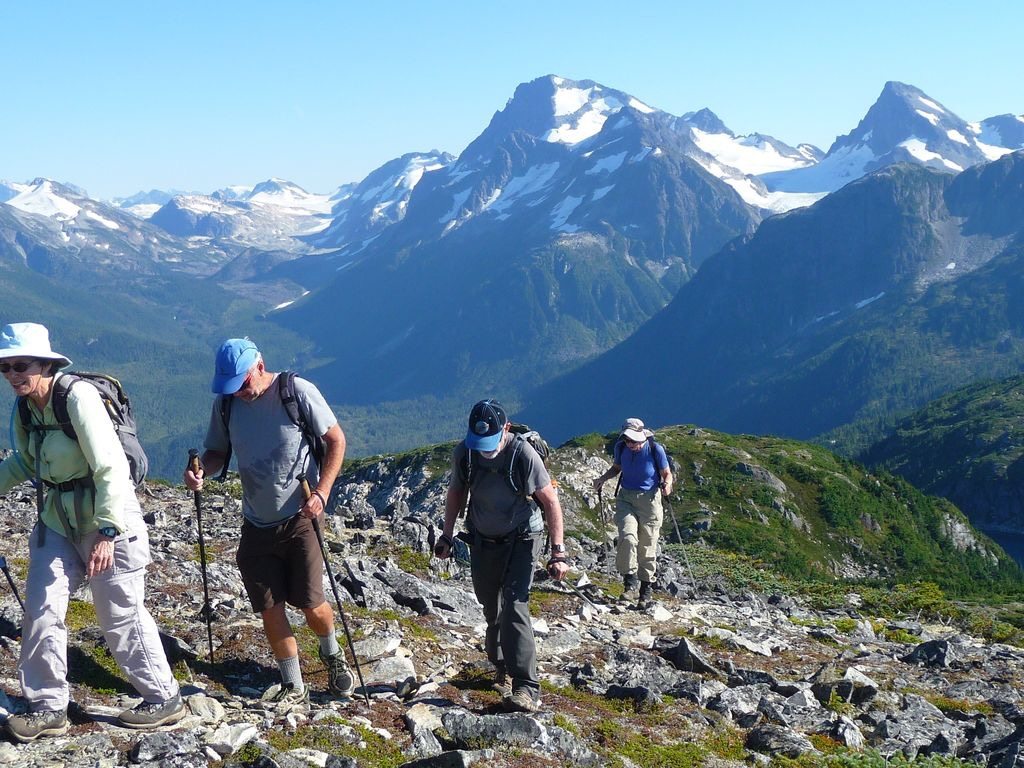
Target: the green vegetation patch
(328, 736)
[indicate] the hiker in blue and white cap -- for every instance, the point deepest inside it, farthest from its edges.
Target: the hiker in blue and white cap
(646, 477)
(505, 530)
(90, 526)
(278, 556)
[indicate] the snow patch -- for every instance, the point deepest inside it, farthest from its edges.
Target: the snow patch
(601, 192)
(284, 304)
(606, 164)
(991, 152)
(458, 201)
(42, 200)
(745, 154)
(533, 180)
(644, 152)
(639, 106)
(561, 212)
(951, 265)
(865, 302)
(919, 150)
(933, 119)
(930, 104)
(105, 222)
(957, 136)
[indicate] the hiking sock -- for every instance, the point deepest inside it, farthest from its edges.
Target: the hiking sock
(290, 672)
(329, 645)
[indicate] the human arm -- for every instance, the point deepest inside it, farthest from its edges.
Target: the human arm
(454, 501)
(613, 470)
(334, 456)
(661, 460)
(111, 476)
(666, 482)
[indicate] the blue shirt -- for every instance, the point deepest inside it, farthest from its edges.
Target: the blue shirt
(640, 471)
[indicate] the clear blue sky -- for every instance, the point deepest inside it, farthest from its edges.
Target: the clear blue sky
(121, 96)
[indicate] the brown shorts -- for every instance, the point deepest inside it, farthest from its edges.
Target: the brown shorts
(281, 564)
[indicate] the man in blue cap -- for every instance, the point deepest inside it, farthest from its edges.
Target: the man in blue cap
(278, 555)
(505, 527)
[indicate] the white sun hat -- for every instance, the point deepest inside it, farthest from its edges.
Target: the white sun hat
(29, 340)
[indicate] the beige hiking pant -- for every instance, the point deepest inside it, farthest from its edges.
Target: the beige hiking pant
(55, 571)
(638, 516)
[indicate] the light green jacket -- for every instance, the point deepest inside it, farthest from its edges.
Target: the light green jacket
(97, 451)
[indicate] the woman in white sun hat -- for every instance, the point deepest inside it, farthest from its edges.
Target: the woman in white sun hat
(90, 526)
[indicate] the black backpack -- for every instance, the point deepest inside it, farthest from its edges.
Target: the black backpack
(118, 407)
(298, 417)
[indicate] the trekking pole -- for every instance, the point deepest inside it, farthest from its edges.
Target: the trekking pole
(334, 587)
(679, 538)
(603, 515)
(14, 588)
(195, 465)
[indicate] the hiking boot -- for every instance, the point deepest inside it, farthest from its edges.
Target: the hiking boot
(32, 725)
(286, 694)
(629, 588)
(147, 715)
(339, 676)
(521, 700)
(644, 598)
(501, 684)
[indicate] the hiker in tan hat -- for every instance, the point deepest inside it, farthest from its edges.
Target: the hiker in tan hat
(646, 476)
(90, 526)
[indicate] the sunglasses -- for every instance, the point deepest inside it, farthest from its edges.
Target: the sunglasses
(18, 367)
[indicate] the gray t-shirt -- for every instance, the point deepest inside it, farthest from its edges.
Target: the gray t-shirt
(270, 450)
(494, 508)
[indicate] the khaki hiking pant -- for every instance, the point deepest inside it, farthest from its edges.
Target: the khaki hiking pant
(638, 516)
(55, 571)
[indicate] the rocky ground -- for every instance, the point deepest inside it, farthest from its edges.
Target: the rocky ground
(711, 675)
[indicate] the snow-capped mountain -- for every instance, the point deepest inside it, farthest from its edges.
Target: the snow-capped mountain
(145, 204)
(61, 230)
(360, 211)
(739, 160)
(579, 201)
(272, 215)
(1000, 131)
(903, 125)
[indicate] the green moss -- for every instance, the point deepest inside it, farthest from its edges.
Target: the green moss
(839, 705)
(900, 636)
(726, 742)
(81, 614)
(377, 751)
(565, 724)
(948, 705)
(846, 626)
(643, 750)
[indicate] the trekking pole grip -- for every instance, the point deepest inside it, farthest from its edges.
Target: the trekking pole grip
(193, 461)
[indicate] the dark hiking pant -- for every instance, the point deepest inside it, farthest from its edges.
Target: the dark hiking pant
(502, 573)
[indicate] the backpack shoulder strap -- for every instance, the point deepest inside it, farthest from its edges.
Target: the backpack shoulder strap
(299, 415)
(286, 389)
(654, 453)
(59, 398)
(224, 406)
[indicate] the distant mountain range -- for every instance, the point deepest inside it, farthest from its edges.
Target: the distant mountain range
(559, 235)
(890, 291)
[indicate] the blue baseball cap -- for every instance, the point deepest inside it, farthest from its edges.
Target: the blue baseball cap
(486, 423)
(234, 359)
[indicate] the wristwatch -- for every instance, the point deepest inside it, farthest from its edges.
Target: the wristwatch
(109, 531)
(557, 548)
